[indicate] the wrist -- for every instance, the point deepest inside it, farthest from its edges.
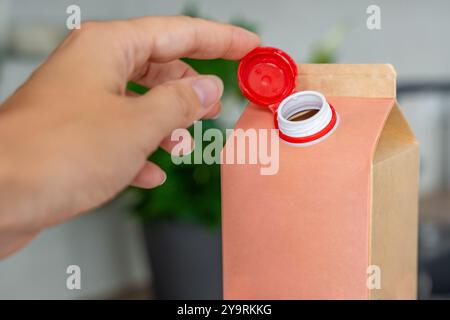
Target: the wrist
(6, 186)
(15, 215)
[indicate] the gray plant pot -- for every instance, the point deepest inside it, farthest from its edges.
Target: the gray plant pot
(186, 260)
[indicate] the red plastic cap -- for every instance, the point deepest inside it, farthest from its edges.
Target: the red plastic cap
(267, 75)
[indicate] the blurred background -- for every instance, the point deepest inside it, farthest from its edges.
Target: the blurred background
(166, 243)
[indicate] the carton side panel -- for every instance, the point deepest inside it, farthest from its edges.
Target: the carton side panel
(394, 218)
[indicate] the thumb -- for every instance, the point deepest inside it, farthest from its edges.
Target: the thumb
(177, 104)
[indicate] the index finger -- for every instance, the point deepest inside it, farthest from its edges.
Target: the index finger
(168, 38)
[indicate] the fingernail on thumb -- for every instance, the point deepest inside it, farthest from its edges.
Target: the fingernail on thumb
(209, 90)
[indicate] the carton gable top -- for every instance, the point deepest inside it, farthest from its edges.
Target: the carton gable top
(348, 80)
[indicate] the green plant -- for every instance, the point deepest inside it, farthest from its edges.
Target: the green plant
(191, 192)
(325, 50)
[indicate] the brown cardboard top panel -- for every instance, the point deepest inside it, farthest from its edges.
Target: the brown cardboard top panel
(349, 80)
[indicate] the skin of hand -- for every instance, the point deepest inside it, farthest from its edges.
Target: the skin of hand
(71, 137)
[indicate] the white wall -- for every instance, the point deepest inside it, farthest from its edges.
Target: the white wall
(106, 245)
(414, 37)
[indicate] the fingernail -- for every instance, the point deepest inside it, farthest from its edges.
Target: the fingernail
(209, 90)
(164, 178)
(250, 35)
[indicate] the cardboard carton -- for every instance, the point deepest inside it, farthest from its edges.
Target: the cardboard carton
(337, 213)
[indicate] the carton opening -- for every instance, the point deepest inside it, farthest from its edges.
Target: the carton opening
(303, 115)
(305, 118)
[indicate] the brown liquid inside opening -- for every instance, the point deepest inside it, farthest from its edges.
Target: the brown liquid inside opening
(303, 115)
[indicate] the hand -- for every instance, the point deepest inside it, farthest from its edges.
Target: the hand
(71, 137)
